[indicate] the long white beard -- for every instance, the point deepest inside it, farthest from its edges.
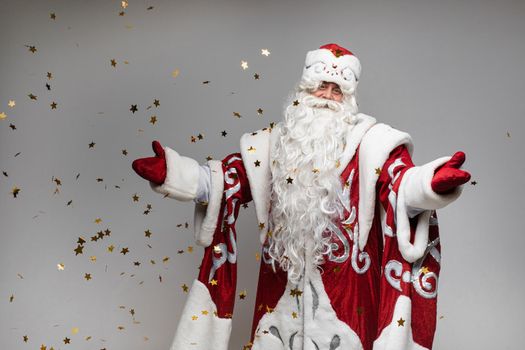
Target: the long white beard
(310, 142)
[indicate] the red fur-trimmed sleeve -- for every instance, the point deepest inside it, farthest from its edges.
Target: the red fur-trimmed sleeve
(408, 290)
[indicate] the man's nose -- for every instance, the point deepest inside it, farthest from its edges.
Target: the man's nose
(328, 94)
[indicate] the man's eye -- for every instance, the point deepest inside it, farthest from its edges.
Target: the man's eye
(338, 91)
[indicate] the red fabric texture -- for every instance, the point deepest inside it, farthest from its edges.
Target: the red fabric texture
(365, 301)
(223, 291)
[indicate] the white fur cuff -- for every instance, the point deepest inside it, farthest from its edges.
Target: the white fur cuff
(205, 217)
(418, 190)
(182, 177)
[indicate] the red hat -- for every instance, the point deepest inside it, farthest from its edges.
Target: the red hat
(335, 64)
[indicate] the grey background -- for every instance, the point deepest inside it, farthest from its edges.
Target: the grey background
(450, 73)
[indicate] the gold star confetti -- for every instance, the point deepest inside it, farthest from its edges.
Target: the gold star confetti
(125, 152)
(213, 282)
(194, 317)
(32, 97)
(135, 198)
(156, 102)
(204, 312)
(53, 105)
(256, 76)
(261, 225)
(260, 111)
(224, 133)
(190, 249)
(425, 270)
(147, 233)
(508, 134)
(378, 171)
(265, 52)
(175, 73)
(113, 62)
(133, 109)
(3, 115)
(295, 292)
(124, 4)
(26, 338)
(52, 15)
(237, 114)
(110, 248)
(242, 294)
(257, 256)
(11, 103)
(92, 144)
(251, 149)
(87, 276)
(289, 180)
(78, 250)
(296, 103)
(15, 191)
(153, 119)
(257, 163)
(11, 298)
(31, 48)
(185, 288)
(12, 126)
(66, 340)
(124, 251)
(244, 65)
(60, 267)
(400, 322)
(474, 182)
(294, 314)
(93, 258)
(98, 220)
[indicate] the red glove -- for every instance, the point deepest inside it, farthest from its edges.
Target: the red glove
(448, 176)
(152, 168)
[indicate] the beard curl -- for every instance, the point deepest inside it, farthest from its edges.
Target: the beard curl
(310, 142)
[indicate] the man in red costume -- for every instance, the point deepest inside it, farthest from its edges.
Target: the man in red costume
(348, 224)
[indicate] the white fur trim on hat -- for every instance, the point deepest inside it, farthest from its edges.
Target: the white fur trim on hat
(323, 65)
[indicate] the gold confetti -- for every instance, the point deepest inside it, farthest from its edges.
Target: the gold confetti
(242, 294)
(175, 73)
(98, 220)
(294, 314)
(124, 4)
(3, 115)
(15, 191)
(185, 288)
(244, 65)
(378, 171)
(153, 119)
(237, 114)
(87, 276)
(400, 322)
(265, 52)
(74, 330)
(251, 149)
(11, 103)
(60, 267)
(213, 282)
(113, 62)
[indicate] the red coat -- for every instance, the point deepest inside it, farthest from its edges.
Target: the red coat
(378, 290)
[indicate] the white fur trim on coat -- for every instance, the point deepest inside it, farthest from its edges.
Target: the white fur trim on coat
(398, 335)
(415, 191)
(182, 177)
(374, 150)
(205, 216)
(206, 331)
